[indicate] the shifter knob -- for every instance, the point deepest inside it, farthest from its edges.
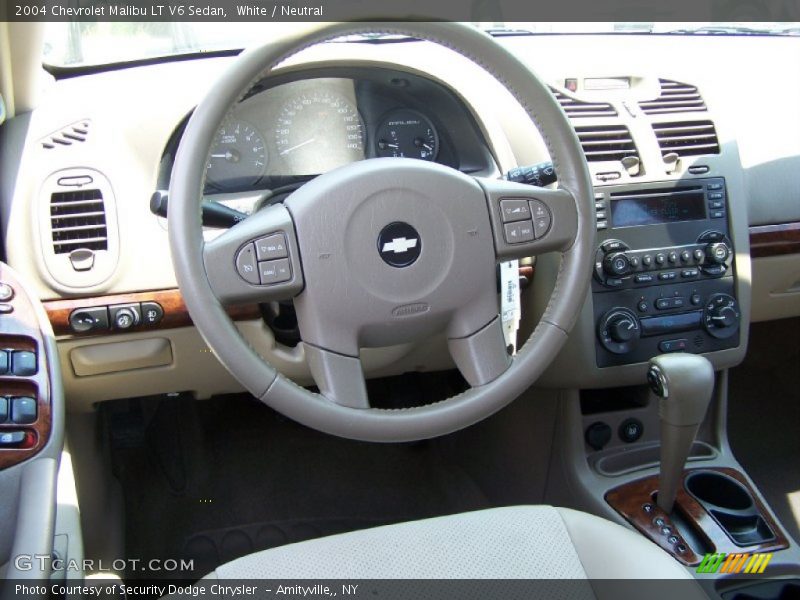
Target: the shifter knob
(683, 384)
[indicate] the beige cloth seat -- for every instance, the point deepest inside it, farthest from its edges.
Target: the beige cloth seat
(519, 542)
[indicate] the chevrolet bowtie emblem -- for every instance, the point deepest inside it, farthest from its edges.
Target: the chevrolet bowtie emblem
(400, 245)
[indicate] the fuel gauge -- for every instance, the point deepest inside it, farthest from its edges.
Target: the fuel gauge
(407, 133)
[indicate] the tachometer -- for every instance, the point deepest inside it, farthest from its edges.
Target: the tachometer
(317, 132)
(238, 156)
(407, 133)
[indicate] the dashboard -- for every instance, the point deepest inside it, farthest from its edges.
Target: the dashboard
(345, 102)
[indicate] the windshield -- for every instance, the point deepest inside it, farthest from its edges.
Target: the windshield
(78, 44)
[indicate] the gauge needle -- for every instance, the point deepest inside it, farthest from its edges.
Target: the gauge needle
(300, 145)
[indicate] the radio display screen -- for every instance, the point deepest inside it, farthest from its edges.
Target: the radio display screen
(653, 210)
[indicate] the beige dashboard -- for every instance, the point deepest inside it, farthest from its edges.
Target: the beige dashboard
(128, 117)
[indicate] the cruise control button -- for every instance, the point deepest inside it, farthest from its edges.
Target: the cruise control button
(275, 271)
(514, 209)
(541, 218)
(247, 265)
(23, 410)
(271, 247)
(90, 318)
(519, 232)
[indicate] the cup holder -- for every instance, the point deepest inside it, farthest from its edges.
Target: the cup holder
(720, 490)
(731, 506)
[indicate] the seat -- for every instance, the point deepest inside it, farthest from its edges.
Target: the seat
(519, 542)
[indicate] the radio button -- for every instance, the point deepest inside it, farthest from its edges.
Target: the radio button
(601, 225)
(716, 196)
(688, 273)
(634, 261)
(717, 214)
(647, 260)
(716, 204)
(613, 246)
(698, 254)
(714, 186)
(643, 278)
(672, 257)
(686, 256)
(666, 276)
(514, 209)
(617, 264)
(715, 270)
(660, 258)
(717, 253)
(711, 236)
(613, 282)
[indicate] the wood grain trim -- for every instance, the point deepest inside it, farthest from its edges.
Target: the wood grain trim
(774, 240)
(628, 500)
(20, 330)
(171, 301)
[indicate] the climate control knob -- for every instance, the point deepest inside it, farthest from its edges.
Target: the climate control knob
(721, 316)
(616, 264)
(618, 330)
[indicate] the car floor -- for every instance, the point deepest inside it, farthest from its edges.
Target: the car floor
(212, 480)
(764, 416)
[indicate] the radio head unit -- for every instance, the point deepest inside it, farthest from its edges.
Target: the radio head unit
(664, 271)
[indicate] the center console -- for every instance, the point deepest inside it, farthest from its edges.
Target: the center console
(664, 272)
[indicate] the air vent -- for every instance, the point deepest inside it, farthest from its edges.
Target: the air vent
(71, 134)
(78, 220)
(675, 97)
(605, 142)
(687, 138)
(578, 108)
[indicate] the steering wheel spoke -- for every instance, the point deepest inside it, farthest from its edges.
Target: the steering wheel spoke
(340, 378)
(257, 260)
(481, 357)
(529, 220)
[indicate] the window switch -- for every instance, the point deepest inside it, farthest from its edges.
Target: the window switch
(23, 410)
(23, 363)
(3, 409)
(4, 362)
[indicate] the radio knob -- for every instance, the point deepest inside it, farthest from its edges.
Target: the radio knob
(617, 264)
(717, 253)
(622, 328)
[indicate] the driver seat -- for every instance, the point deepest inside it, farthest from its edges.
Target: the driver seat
(517, 542)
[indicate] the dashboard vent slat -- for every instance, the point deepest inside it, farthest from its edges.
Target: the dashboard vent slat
(606, 142)
(74, 133)
(578, 108)
(78, 220)
(675, 97)
(687, 138)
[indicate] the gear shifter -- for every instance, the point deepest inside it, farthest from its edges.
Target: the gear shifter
(683, 384)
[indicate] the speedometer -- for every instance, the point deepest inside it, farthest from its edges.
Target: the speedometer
(317, 132)
(238, 156)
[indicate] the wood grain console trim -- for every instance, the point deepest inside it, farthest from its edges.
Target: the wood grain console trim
(774, 240)
(20, 330)
(629, 499)
(171, 301)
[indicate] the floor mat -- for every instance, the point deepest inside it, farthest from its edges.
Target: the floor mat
(210, 481)
(764, 415)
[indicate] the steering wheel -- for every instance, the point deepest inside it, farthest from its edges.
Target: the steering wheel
(386, 251)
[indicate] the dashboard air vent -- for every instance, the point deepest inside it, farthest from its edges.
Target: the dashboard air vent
(71, 134)
(687, 138)
(675, 97)
(578, 108)
(78, 220)
(606, 142)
